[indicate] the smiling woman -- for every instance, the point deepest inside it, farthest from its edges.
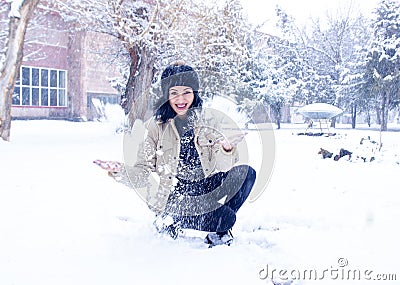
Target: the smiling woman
(200, 184)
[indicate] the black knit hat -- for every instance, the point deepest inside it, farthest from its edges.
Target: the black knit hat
(178, 74)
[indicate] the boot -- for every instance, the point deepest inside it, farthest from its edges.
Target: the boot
(213, 239)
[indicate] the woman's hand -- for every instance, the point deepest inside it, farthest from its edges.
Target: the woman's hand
(110, 166)
(230, 142)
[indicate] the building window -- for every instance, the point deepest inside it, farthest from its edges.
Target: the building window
(40, 87)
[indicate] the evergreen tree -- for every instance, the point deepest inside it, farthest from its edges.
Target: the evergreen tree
(383, 59)
(353, 94)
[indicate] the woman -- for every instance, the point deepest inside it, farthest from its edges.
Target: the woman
(199, 188)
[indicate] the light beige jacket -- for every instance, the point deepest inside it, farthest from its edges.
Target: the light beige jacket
(159, 153)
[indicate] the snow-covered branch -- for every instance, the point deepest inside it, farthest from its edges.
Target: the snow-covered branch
(15, 6)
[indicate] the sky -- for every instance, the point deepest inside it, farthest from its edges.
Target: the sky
(260, 11)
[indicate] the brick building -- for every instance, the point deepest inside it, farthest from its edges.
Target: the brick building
(60, 73)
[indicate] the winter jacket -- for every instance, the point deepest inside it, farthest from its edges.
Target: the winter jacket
(159, 153)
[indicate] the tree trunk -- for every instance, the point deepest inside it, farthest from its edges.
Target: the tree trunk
(278, 123)
(333, 123)
(136, 99)
(12, 63)
(278, 116)
(378, 115)
(127, 97)
(353, 116)
(385, 111)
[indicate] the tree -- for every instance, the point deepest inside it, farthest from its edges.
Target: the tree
(142, 28)
(324, 62)
(152, 33)
(289, 77)
(353, 92)
(337, 43)
(383, 59)
(295, 55)
(20, 12)
(224, 56)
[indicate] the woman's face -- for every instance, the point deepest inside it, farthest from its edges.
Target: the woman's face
(180, 98)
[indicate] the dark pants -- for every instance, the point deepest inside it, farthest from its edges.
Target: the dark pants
(233, 186)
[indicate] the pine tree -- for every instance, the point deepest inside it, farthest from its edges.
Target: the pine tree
(353, 94)
(383, 59)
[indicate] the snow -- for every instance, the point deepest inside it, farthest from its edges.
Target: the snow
(15, 6)
(64, 221)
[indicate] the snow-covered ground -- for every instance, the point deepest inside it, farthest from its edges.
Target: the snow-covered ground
(64, 221)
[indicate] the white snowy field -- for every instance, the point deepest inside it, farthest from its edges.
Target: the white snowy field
(63, 221)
